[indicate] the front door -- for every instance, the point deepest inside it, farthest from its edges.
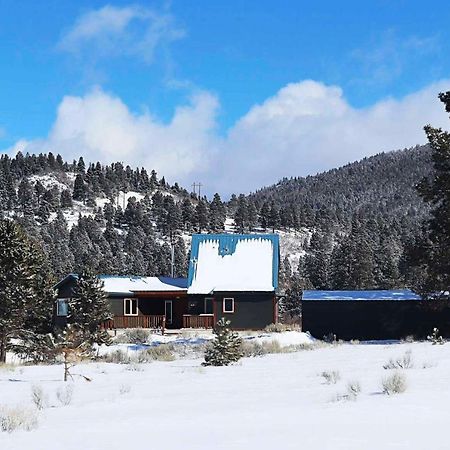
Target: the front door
(168, 311)
(208, 309)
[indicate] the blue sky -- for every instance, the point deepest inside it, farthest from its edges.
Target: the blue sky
(198, 88)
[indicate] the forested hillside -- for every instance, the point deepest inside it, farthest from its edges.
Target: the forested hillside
(115, 219)
(111, 219)
(362, 215)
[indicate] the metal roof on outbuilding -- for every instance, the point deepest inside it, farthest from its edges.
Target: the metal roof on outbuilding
(362, 295)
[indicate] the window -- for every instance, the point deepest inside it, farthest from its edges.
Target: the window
(228, 305)
(62, 307)
(130, 306)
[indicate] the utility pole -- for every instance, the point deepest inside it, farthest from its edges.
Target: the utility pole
(199, 186)
(172, 255)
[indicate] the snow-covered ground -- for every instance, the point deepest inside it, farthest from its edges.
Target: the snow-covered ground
(275, 401)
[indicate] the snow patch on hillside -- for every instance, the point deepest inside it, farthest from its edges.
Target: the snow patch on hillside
(60, 181)
(293, 244)
(121, 199)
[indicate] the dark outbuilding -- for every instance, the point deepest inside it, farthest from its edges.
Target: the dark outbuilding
(372, 314)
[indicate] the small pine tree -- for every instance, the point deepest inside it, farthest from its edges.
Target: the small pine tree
(435, 338)
(226, 347)
(88, 309)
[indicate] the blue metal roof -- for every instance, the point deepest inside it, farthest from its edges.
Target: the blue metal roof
(364, 295)
(177, 282)
(227, 246)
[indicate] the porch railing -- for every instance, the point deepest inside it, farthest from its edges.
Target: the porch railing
(154, 322)
(203, 321)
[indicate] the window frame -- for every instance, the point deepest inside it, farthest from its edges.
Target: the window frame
(61, 300)
(224, 310)
(131, 300)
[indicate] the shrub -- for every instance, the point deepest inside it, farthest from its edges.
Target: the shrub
(226, 347)
(64, 395)
(331, 377)
(435, 338)
(281, 327)
(134, 336)
(133, 367)
(8, 366)
(394, 384)
(353, 390)
(124, 389)
(39, 397)
(117, 357)
(253, 349)
(330, 338)
(17, 418)
(163, 352)
(403, 362)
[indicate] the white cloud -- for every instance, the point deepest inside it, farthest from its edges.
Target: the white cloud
(390, 56)
(305, 128)
(100, 126)
(309, 127)
(118, 31)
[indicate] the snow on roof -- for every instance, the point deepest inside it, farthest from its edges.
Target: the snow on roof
(401, 294)
(129, 284)
(233, 262)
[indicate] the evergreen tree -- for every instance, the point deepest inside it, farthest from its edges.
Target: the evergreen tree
(217, 214)
(317, 261)
(290, 304)
(435, 190)
(241, 214)
(252, 216)
(66, 199)
(226, 348)
(39, 190)
(81, 166)
(25, 197)
(201, 215)
(274, 217)
(79, 189)
(187, 214)
(20, 259)
(264, 215)
(88, 309)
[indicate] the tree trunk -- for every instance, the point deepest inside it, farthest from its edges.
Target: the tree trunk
(2, 348)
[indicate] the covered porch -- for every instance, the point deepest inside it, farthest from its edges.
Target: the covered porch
(160, 311)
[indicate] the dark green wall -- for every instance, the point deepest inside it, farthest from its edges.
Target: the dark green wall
(251, 310)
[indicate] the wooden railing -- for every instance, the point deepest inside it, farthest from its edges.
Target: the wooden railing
(155, 322)
(204, 321)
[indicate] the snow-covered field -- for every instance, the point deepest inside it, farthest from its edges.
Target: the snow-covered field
(274, 401)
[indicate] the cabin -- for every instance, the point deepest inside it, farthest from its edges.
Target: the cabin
(135, 302)
(230, 275)
(234, 276)
(371, 314)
